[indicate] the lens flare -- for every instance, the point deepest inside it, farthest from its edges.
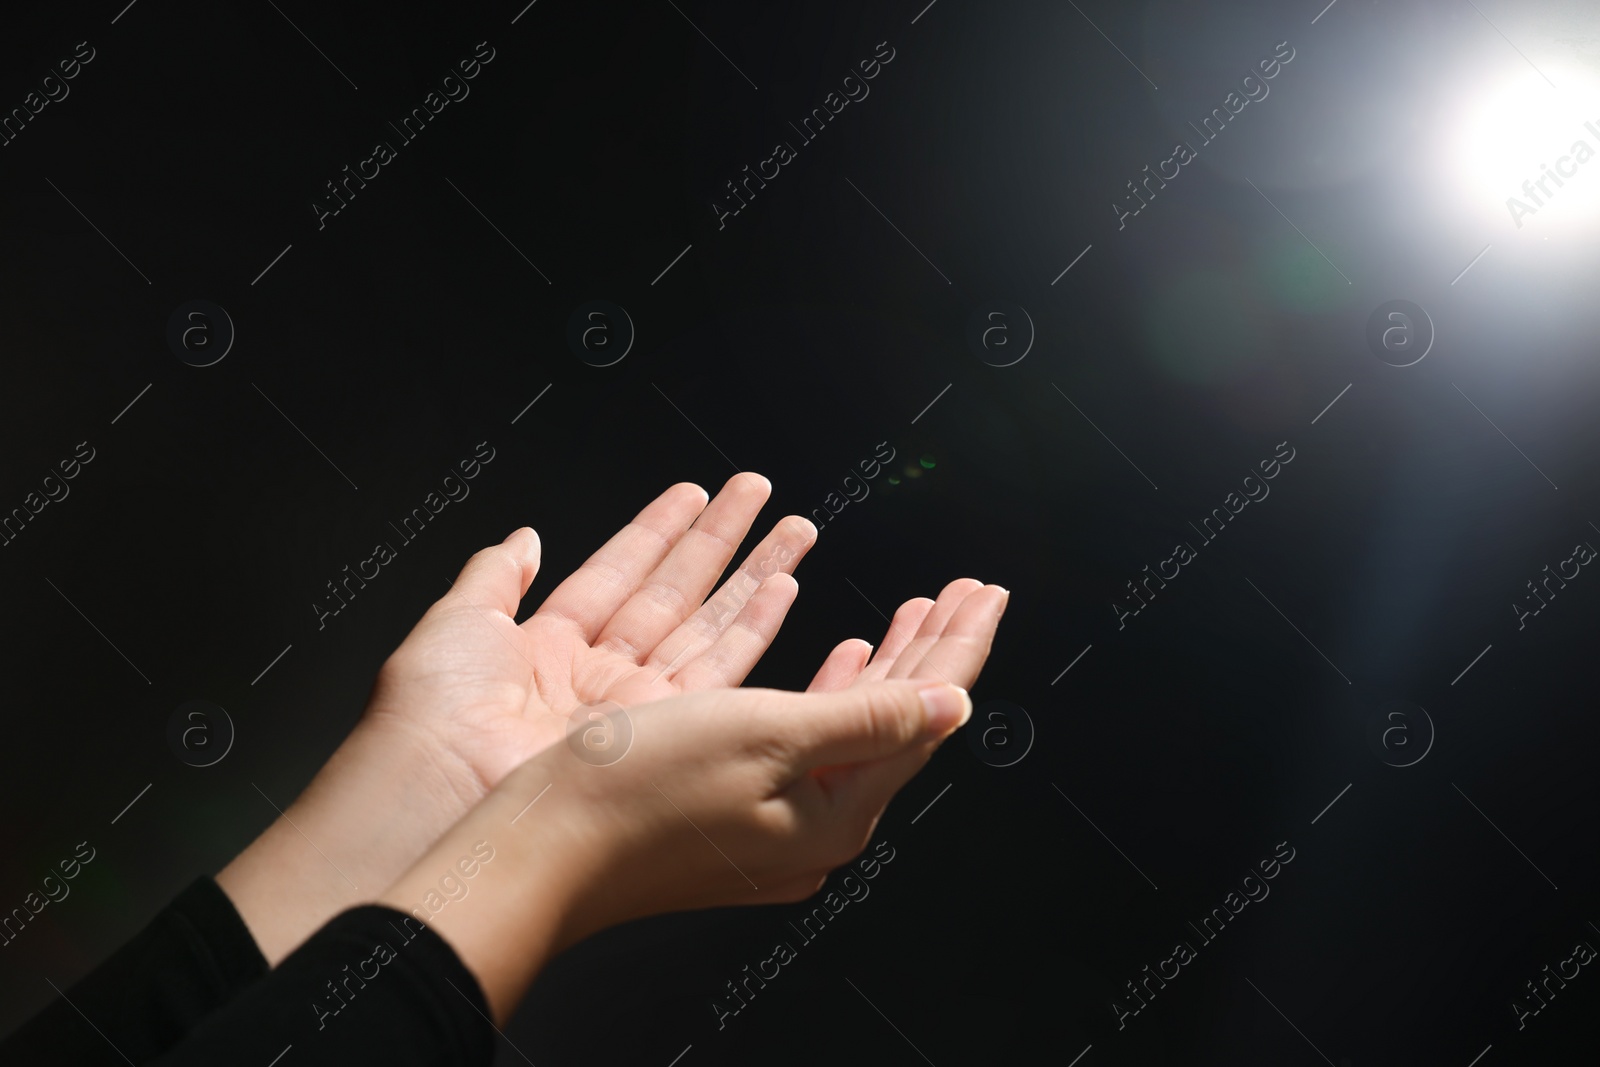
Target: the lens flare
(1529, 152)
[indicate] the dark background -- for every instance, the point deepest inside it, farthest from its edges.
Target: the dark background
(1218, 723)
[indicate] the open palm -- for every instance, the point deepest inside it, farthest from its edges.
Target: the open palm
(471, 693)
(632, 625)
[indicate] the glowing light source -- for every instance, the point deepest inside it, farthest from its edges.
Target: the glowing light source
(1530, 153)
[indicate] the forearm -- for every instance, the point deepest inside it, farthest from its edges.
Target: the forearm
(502, 885)
(363, 820)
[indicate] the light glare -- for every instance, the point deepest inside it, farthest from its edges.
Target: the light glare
(1530, 154)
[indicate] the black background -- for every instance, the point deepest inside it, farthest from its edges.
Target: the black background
(1216, 724)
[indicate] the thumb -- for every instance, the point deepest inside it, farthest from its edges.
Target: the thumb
(497, 577)
(868, 722)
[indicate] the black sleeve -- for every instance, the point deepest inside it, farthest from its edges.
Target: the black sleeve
(195, 956)
(372, 986)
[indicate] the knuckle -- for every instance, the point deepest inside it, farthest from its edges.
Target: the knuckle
(496, 556)
(798, 528)
(778, 820)
(886, 726)
(722, 543)
(668, 596)
(663, 542)
(774, 749)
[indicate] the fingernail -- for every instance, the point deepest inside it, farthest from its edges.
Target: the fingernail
(947, 706)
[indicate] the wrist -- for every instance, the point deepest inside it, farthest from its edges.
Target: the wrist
(505, 886)
(369, 813)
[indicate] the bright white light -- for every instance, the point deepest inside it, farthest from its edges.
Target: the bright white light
(1530, 154)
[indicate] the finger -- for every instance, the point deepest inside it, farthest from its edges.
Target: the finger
(842, 667)
(778, 553)
(861, 791)
(593, 593)
(902, 628)
(960, 650)
(854, 725)
(497, 577)
(735, 652)
(956, 657)
(950, 598)
(677, 586)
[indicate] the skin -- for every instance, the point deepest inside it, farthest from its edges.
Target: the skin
(735, 796)
(472, 694)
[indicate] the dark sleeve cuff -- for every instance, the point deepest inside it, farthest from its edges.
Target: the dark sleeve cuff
(372, 986)
(194, 957)
(217, 937)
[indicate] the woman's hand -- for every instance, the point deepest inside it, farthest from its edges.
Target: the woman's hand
(737, 796)
(470, 693)
(483, 693)
(713, 804)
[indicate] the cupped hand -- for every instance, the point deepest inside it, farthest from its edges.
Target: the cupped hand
(471, 693)
(732, 796)
(747, 796)
(751, 796)
(632, 625)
